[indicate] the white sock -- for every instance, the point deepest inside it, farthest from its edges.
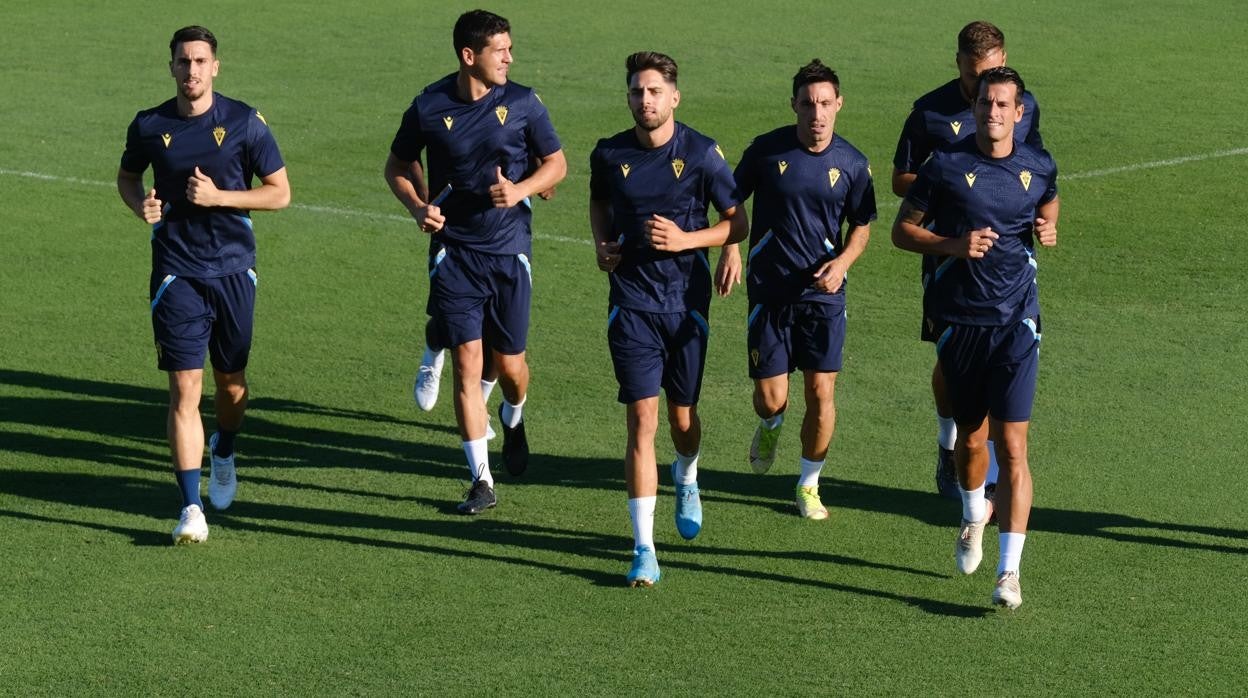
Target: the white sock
(1011, 551)
(487, 387)
(774, 421)
(429, 356)
(513, 414)
(810, 473)
(685, 469)
(478, 454)
(993, 471)
(641, 510)
(974, 508)
(946, 432)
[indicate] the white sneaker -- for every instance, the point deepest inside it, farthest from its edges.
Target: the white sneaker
(192, 526)
(428, 378)
(1008, 592)
(969, 549)
(222, 480)
(489, 428)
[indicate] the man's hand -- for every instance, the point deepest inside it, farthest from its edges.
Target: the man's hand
(429, 218)
(201, 191)
(505, 194)
(830, 276)
(664, 235)
(976, 243)
(608, 256)
(1046, 232)
(728, 271)
(151, 211)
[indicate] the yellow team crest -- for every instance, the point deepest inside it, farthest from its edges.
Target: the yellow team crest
(834, 176)
(956, 126)
(501, 113)
(166, 137)
(970, 179)
(218, 134)
(262, 119)
(448, 120)
(625, 168)
(1025, 178)
(784, 165)
(678, 166)
(721, 152)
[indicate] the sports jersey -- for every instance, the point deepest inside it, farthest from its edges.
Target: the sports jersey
(961, 189)
(678, 180)
(944, 116)
(231, 144)
(801, 203)
(466, 143)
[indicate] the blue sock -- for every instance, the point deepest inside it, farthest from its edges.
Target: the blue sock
(188, 482)
(225, 443)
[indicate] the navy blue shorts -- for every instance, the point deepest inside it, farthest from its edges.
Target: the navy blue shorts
(990, 371)
(783, 338)
(658, 350)
(194, 317)
(480, 296)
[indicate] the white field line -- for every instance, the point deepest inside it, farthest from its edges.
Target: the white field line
(373, 215)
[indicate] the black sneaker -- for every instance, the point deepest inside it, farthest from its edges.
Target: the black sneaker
(946, 474)
(515, 446)
(480, 497)
(990, 494)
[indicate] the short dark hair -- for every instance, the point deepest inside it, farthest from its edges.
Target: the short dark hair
(650, 60)
(192, 33)
(473, 30)
(996, 76)
(815, 71)
(978, 39)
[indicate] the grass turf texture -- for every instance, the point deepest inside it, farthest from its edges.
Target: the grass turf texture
(341, 568)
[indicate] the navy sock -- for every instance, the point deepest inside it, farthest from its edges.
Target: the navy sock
(188, 482)
(225, 443)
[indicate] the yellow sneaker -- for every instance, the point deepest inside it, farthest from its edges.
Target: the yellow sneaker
(809, 505)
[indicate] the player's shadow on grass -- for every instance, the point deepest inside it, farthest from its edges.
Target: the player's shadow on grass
(545, 548)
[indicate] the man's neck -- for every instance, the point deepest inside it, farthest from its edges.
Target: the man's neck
(469, 88)
(197, 107)
(658, 137)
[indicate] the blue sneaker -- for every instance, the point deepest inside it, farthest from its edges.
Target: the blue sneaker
(946, 474)
(688, 509)
(645, 569)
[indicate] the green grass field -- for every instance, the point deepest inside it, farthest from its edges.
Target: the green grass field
(342, 568)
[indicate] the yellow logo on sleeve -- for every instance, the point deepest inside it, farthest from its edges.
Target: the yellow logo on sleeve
(166, 137)
(1025, 177)
(501, 113)
(834, 175)
(678, 166)
(970, 179)
(262, 119)
(448, 120)
(218, 134)
(625, 167)
(956, 126)
(721, 152)
(784, 165)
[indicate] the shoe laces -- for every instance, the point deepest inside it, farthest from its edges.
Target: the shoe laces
(425, 373)
(222, 470)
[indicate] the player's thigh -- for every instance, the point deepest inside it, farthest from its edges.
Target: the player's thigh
(1014, 370)
(819, 337)
(181, 322)
(637, 348)
(458, 294)
(507, 313)
(687, 335)
(233, 301)
(768, 341)
(963, 352)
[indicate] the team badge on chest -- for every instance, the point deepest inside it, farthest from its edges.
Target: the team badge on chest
(166, 137)
(448, 120)
(970, 179)
(1025, 178)
(625, 168)
(784, 165)
(956, 126)
(501, 113)
(834, 176)
(218, 134)
(678, 166)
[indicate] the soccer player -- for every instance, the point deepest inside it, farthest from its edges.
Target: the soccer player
(480, 132)
(940, 117)
(977, 204)
(650, 188)
(808, 183)
(204, 150)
